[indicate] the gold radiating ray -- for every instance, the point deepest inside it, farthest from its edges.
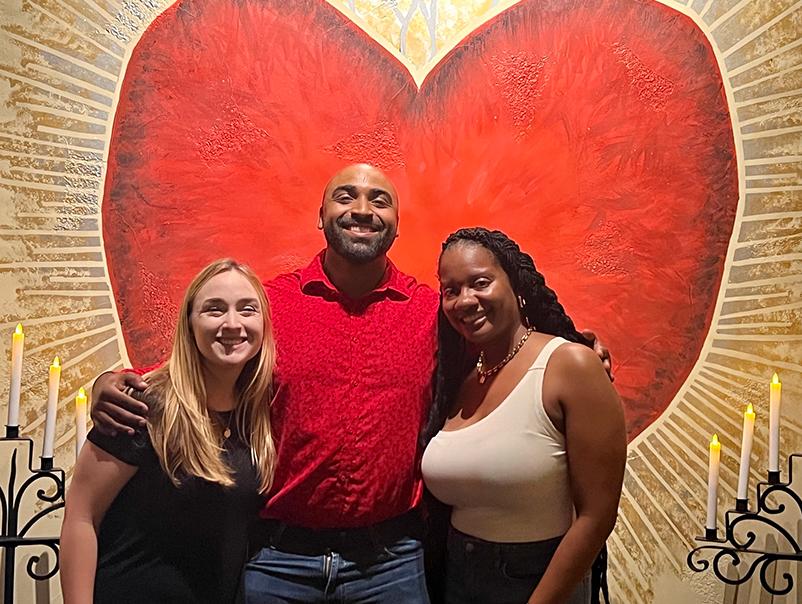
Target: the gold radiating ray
(726, 16)
(59, 174)
(756, 33)
(768, 116)
(57, 344)
(55, 159)
(111, 51)
(703, 389)
(102, 74)
(730, 327)
(762, 161)
(771, 216)
(742, 87)
(65, 318)
(59, 279)
(83, 234)
(34, 108)
(770, 97)
(764, 58)
(66, 78)
(633, 578)
(67, 133)
(769, 365)
(767, 260)
(10, 75)
(39, 141)
(51, 215)
(43, 186)
(671, 479)
(755, 297)
(649, 529)
(754, 312)
(626, 529)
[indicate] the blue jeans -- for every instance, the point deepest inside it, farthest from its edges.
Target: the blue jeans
(480, 572)
(392, 575)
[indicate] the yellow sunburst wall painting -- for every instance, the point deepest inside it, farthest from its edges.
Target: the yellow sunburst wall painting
(647, 154)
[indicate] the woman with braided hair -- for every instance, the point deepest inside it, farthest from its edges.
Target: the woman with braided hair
(531, 445)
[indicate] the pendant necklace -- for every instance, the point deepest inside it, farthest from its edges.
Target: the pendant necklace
(227, 428)
(483, 375)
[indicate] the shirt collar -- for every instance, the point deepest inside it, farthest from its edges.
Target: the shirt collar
(394, 282)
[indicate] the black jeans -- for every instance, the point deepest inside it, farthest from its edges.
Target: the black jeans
(484, 572)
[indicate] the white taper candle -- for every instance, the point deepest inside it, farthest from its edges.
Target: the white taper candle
(52, 406)
(712, 482)
(17, 348)
(746, 451)
(775, 396)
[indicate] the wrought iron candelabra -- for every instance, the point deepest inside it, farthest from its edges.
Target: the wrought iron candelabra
(49, 482)
(741, 526)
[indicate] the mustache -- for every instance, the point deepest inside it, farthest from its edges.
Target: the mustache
(344, 223)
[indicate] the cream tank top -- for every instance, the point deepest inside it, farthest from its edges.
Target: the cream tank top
(506, 476)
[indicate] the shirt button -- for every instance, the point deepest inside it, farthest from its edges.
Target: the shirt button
(469, 547)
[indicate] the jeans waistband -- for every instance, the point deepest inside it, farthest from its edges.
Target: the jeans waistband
(317, 542)
(475, 544)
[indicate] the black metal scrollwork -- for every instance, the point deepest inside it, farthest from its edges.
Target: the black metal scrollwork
(736, 550)
(48, 483)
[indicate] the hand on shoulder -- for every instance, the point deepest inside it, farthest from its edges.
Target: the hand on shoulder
(577, 360)
(577, 378)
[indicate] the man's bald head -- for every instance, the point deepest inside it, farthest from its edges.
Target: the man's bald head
(359, 213)
(364, 173)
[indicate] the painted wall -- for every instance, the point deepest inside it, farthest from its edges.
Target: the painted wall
(646, 153)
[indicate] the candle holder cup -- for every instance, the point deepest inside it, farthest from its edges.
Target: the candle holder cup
(711, 534)
(737, 547)
(48, 483)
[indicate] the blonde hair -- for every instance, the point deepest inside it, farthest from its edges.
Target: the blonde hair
(184, 435)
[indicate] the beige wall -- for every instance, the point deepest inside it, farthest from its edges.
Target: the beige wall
(756, 329)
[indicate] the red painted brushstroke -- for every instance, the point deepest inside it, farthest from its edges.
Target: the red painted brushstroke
(595, 133)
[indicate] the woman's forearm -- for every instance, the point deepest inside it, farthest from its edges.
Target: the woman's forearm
(572, 560)
(78, 560)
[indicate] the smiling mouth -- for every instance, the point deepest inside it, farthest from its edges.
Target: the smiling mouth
(230, 342)
(361, 229)
(474, 321)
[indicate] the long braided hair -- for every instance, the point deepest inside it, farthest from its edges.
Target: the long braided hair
(541, 310)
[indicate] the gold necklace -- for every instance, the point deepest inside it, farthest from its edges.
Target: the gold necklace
(227, 429)
(483, 375)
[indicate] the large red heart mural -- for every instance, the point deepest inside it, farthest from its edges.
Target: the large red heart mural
(595, 133)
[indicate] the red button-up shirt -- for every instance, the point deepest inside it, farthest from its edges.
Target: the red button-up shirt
(353, 385)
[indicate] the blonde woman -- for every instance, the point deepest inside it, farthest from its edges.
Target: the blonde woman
(164, 515)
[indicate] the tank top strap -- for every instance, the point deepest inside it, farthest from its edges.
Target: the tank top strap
(543, 357)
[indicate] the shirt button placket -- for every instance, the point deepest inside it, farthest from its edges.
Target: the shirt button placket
(354, 349)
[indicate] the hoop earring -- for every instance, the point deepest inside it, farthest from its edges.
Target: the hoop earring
(522, 307)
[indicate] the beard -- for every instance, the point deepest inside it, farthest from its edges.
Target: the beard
(357, 250)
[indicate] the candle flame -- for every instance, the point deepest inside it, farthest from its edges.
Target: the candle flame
(749, 409)
(56, 362)
(18, 331)
(775, 378)
(714, 440)
(82, 393)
